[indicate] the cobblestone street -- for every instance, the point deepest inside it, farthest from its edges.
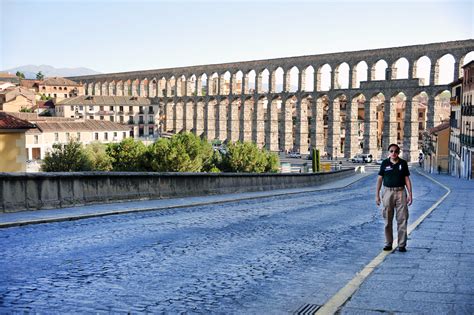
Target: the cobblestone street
(267, 255)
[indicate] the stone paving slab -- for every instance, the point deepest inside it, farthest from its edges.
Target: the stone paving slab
(83, 212)
(436, 275)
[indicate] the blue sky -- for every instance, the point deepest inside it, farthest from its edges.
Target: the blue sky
(112, 36)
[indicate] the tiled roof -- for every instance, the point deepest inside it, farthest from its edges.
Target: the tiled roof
(29, 83)
(76, 126)
(440, 127)
(33, 117)
(8, 121)
(58, 81)
(12, 92)
(105, 100)
(7, 75)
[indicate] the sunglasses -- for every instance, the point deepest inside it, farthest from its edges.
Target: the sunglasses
(394, 151)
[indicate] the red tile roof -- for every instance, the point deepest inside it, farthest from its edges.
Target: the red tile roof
(11, 122)
(439, 127)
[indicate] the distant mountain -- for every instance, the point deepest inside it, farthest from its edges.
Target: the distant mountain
(30, 71)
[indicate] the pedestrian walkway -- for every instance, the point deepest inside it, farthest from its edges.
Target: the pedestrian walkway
(90, 211)
(436, 275)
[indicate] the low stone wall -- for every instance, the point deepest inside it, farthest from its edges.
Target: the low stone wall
(33, 191)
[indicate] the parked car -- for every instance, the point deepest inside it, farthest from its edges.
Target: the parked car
(294, 155)
(379, 161)
(362, 158)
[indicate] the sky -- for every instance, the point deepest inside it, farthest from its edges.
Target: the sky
(115, 36)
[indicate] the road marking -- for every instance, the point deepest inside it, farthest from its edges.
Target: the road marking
(344, 294)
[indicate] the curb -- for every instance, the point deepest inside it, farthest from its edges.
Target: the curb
(334, 304)
(102, 214)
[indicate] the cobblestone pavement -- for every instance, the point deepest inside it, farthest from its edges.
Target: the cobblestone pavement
(436, 275)
(265, 255)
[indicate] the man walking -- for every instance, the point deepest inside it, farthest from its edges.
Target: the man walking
(395, 176)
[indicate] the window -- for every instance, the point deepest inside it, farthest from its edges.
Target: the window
(150, 109)
(124, 134)
(102, 108)
(65, 95)
(72, 107)
(65, 88)
(121, 119)
(121, 109)
(78, 136)
(420, 115)
(56, 136)
(106, 136)
(112, 118)
(36, 139)
(399, 115)
(130, 109)
(111, 108)
(67, 136)
(55, 88)
(91, 108)
(96, 136)
(81, 107)
(140, 119)
(420, 126)
(60, 88)
(115, 135)
(91, 117)
(101, 117)
(55, 95)
(43, 88)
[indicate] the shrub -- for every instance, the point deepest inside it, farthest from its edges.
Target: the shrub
(129, 155)
(69, 157)
(97, 154)
(248, 158)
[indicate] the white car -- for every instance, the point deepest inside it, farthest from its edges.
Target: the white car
(294, 155)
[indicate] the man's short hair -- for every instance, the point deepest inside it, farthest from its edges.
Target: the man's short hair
(393, 145)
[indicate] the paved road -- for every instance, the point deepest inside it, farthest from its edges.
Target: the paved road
(267, 255)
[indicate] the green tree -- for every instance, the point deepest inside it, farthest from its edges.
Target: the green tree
(128, 155)
(246, 157)
(97, 154)
(39, 76)
(20, 75)
(183, 152)
(69, 157)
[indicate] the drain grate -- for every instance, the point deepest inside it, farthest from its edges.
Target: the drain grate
(307, 309)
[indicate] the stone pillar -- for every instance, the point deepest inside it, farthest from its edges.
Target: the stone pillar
(317, 80)
(221, 84)
(351, 142)
(301, 81)
(168, 88)
(411, 70)
(433, 113)
(352, 77)
(189, 116)
(210, 86)
(394, 72)
(189, 87)
(286, 81)
(105, 89)
(222, 120)
(199, 87)
(434, 74)
(334, 129)
(370, 127)
(272, 126)
(112, 89)
(302, 126)
(97, 89)
(210, 120)
(245, 84)
(317, 125)
(246, 120)
(169, 114)
(456, 70)
(179, 87)
(233, 84)
(272, 82)
(135, 88)
(370, 73)
(234, 122)
(287, 124)
(119, 89)
(335, 79)
(410, 139)
(389, 126)
(258, 84)
(178, 116)
(258, 123)
(199, 117)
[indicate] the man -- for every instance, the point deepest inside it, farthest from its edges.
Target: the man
(395, 176)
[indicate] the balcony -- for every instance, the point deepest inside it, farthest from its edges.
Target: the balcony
(454, 100)
(131, 122)
(151, 122)
(105, 112)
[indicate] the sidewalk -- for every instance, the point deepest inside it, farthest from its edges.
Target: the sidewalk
(90, 211)
(436, 275)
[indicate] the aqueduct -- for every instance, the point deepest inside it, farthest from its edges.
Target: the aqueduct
(368, 100)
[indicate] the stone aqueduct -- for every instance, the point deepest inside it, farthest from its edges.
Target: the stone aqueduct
(201, 99)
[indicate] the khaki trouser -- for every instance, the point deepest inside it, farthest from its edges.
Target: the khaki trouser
(395, 200)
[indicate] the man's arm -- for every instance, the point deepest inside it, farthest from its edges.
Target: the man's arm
(377, 190)
(409, 188)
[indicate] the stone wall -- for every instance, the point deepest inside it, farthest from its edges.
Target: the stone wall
(34, 191)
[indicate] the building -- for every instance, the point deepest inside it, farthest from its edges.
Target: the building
(4, 85)
(437, 160)
(8, 77)
(139, 114)
(55, 87)
(14, 99)
(13, 151)
(467, 122)
(455, 123)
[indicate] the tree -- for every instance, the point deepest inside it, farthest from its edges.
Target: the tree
(184, 152)
(20, 75)
(97, 154)
(39, 76)
(128, 156)
(69, 157)
(246, 157)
